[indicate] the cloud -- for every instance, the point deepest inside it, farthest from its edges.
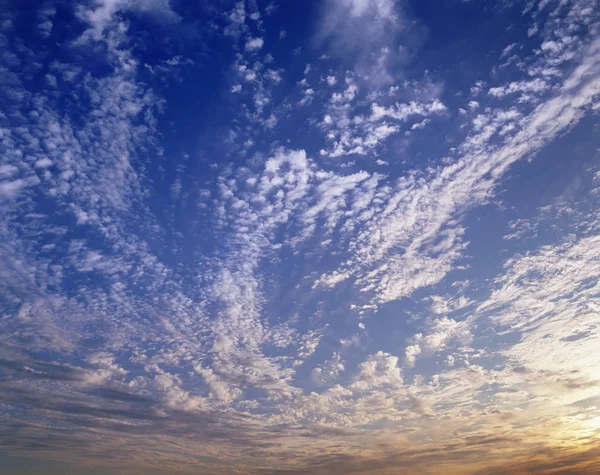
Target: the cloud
(237, 19)
(254, 44)
(422, 210)
(440, 334)
(547, 298)
(189, 302)
(366, 34)
(11, 188)
(329, 371)
(535, 86)
(379, 370)
(361, 135)
(45, 17)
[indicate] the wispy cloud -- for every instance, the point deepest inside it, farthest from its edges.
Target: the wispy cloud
(373, 35)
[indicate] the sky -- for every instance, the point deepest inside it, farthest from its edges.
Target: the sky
(292, 237)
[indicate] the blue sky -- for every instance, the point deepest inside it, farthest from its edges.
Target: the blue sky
(340, 236)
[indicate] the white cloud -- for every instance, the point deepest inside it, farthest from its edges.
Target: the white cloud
(213, 319)
(45, 18)
(534, 86)
(101, 15)
(508, 50)
(367, 31)
(359, 134)
(548, 297)
(6, 171)
(254, 44)
(331, 279)
(440, 334)
(379, 370)
(411, 353)
(11, 188)
(328, 371)
(421, 208)
(274, 76)
(43, 162)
